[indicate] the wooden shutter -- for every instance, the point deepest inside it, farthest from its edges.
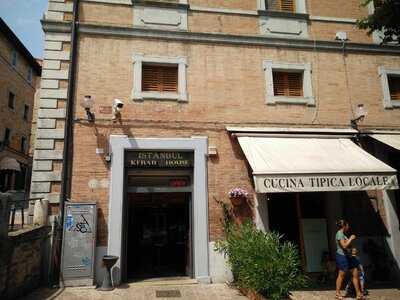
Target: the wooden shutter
(288, 84)
(287, 5)
(159, 78)
(281, 5)
(394, 87)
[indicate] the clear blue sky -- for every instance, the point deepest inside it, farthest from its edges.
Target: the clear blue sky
(23, 17)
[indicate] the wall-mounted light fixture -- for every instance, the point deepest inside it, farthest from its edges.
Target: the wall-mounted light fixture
(117, 108)
(87, 104)
(360, 114)
(212, 151)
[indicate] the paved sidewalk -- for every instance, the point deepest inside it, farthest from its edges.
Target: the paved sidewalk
(374, 294)
(143, 292)
(140, 291)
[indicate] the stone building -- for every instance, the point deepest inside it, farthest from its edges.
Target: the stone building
(19, 74)
(154, 110)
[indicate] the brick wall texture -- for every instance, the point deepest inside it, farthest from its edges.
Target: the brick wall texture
(203, 21)
(226, 86)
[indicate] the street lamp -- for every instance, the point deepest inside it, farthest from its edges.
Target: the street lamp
(87, 104)
(360, 114)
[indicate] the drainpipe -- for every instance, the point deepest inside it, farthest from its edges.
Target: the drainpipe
(68, 130)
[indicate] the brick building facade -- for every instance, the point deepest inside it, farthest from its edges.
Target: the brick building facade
(194, 77)
(19, 74)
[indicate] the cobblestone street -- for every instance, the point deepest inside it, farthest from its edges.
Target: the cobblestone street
(189, 291)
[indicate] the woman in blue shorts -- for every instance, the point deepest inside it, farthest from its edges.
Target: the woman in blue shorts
(344, 261)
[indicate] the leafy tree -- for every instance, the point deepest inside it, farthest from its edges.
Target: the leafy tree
(386, 19)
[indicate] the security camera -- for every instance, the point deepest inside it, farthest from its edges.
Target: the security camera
(118, 104)
(341, 36)
(116, 109)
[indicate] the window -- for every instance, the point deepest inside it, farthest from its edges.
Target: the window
(14, 58)
(288, 6)
(288, 83)
(26, 112)
(30, 75)
(11, 100)
(283, 18)
(20, 178)
(390, 82)
(7, 136)
(394, 87)
(159, 78)
(23, 144)
(281, 5)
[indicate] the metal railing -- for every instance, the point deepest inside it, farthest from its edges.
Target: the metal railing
(17, 207)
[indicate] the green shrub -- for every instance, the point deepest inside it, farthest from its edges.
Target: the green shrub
(260, 261)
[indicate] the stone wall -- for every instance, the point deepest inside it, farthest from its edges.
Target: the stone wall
(49, 140)
(21, 257)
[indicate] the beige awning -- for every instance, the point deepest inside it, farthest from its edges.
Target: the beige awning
(292, 164)
(393, 140)
(9, 163)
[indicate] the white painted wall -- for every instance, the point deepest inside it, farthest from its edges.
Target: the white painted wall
(220, 271)
(261, 212)
(393, 239)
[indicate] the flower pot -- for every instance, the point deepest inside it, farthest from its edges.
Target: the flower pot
(236, 201)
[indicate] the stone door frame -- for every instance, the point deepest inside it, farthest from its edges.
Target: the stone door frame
(199, 145)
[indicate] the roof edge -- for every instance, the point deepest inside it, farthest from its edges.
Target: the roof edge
(12, 37)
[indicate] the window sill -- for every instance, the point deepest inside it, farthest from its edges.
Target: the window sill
(310, 101)
(392, 104)
(283, 14)
(165, 4)
(159, 96)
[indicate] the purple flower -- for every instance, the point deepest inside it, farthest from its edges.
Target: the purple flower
(238, 193)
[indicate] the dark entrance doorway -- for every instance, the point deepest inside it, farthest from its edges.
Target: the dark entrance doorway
(301, 219)
(283, 216)
(159, 235)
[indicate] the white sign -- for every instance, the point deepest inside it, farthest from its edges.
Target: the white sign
(321, 183)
